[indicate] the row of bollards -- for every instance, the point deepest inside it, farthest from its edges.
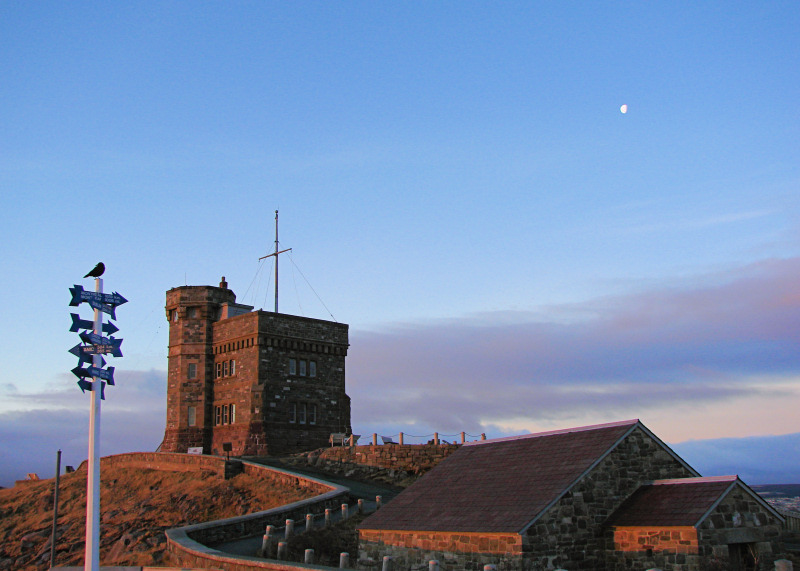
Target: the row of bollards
(271, 547)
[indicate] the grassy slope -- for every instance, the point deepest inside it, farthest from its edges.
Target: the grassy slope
(136, 506)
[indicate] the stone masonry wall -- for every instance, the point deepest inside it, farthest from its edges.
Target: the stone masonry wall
(411, 458)
(741, 519)
(468, 551)
(571, 533)
(655, 547)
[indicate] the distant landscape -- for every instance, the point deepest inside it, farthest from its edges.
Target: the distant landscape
(782, 496)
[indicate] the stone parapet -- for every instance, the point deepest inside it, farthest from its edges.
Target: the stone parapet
(411, 458)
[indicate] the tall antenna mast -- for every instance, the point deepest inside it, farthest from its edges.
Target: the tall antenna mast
(275, 253)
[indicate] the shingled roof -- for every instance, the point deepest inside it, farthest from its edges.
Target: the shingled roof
(500, 485)
(680, 502)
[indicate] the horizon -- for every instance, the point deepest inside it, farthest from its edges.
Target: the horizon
(513, 250)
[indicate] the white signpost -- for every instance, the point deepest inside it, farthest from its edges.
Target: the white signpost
(95, 345)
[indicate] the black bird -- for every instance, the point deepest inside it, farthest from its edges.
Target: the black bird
(97, 271)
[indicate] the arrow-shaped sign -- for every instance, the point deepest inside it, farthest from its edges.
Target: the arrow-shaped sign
(105, 374)
(87, 386)
(84, 356)
(79, 295)
(78, 324)
(101, 344)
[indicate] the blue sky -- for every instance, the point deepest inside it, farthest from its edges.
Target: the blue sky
(457, 183)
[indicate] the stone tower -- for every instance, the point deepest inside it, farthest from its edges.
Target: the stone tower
(265, 382)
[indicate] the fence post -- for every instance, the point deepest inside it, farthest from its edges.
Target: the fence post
(378, 502)
(281, 550)
(490, 567)
(345, 511)
(309, 556)
(360, 506)
(401, 439)
(328, 512)
(344, 560)
(436, 438)
(289, 529)
(309, 522)
(387, 563)
(433, 565)
(266, 542)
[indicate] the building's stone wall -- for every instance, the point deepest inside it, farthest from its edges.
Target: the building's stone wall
(668, 548)
(741, 519)
(276, 410)
(468, 551)
(571, 534)
(410, 458)
(191, 311)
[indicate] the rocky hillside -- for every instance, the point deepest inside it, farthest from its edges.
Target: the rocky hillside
(136, 507)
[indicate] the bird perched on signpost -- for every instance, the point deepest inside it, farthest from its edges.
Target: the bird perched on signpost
(97, 271)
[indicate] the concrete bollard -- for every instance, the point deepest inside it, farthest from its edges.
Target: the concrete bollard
(783, 565)
(345, 511)
(344, 560)
(360, 506)
(309, 557)
(267, 541)
(289, 529)
(400, 440)
(436, 438)
(433, 565)
(378, 502)
(328, 512)
(463, 437)
(387, 563)
(309, 522)
(490, 568)
(282, 550)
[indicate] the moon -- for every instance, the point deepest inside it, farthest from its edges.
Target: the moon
(624, 109)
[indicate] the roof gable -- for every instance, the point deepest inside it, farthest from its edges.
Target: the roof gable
(500, 485)
(679, 502)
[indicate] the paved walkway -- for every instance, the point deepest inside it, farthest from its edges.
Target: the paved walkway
(366, 491)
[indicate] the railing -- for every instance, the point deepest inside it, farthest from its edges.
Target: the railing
(404, 438)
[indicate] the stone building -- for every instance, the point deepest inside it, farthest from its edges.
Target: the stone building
(603, 497)
(265, 382)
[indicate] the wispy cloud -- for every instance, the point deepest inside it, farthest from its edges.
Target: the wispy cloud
(729, 339)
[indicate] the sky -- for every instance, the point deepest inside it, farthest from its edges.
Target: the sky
(457, 182)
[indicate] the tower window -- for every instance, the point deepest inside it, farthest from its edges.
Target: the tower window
(312, 414)
(292, 366)
(225, 368)
(233, 413)
(302, 368)
(292, 413)
(225, 414)
(218, 415)
(302, 411)
(219, 370)
(233, 367)
(191, 416)
(191, 313)
(191, 371)
(312, 368)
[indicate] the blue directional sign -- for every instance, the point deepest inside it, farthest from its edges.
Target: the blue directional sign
(105, 374)
(95, 344)
(78, 324)
(87, 386)
(83, 355)
(99, 345)
(79, 295)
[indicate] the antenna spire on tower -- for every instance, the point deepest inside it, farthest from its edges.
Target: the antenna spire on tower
(275, 253)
